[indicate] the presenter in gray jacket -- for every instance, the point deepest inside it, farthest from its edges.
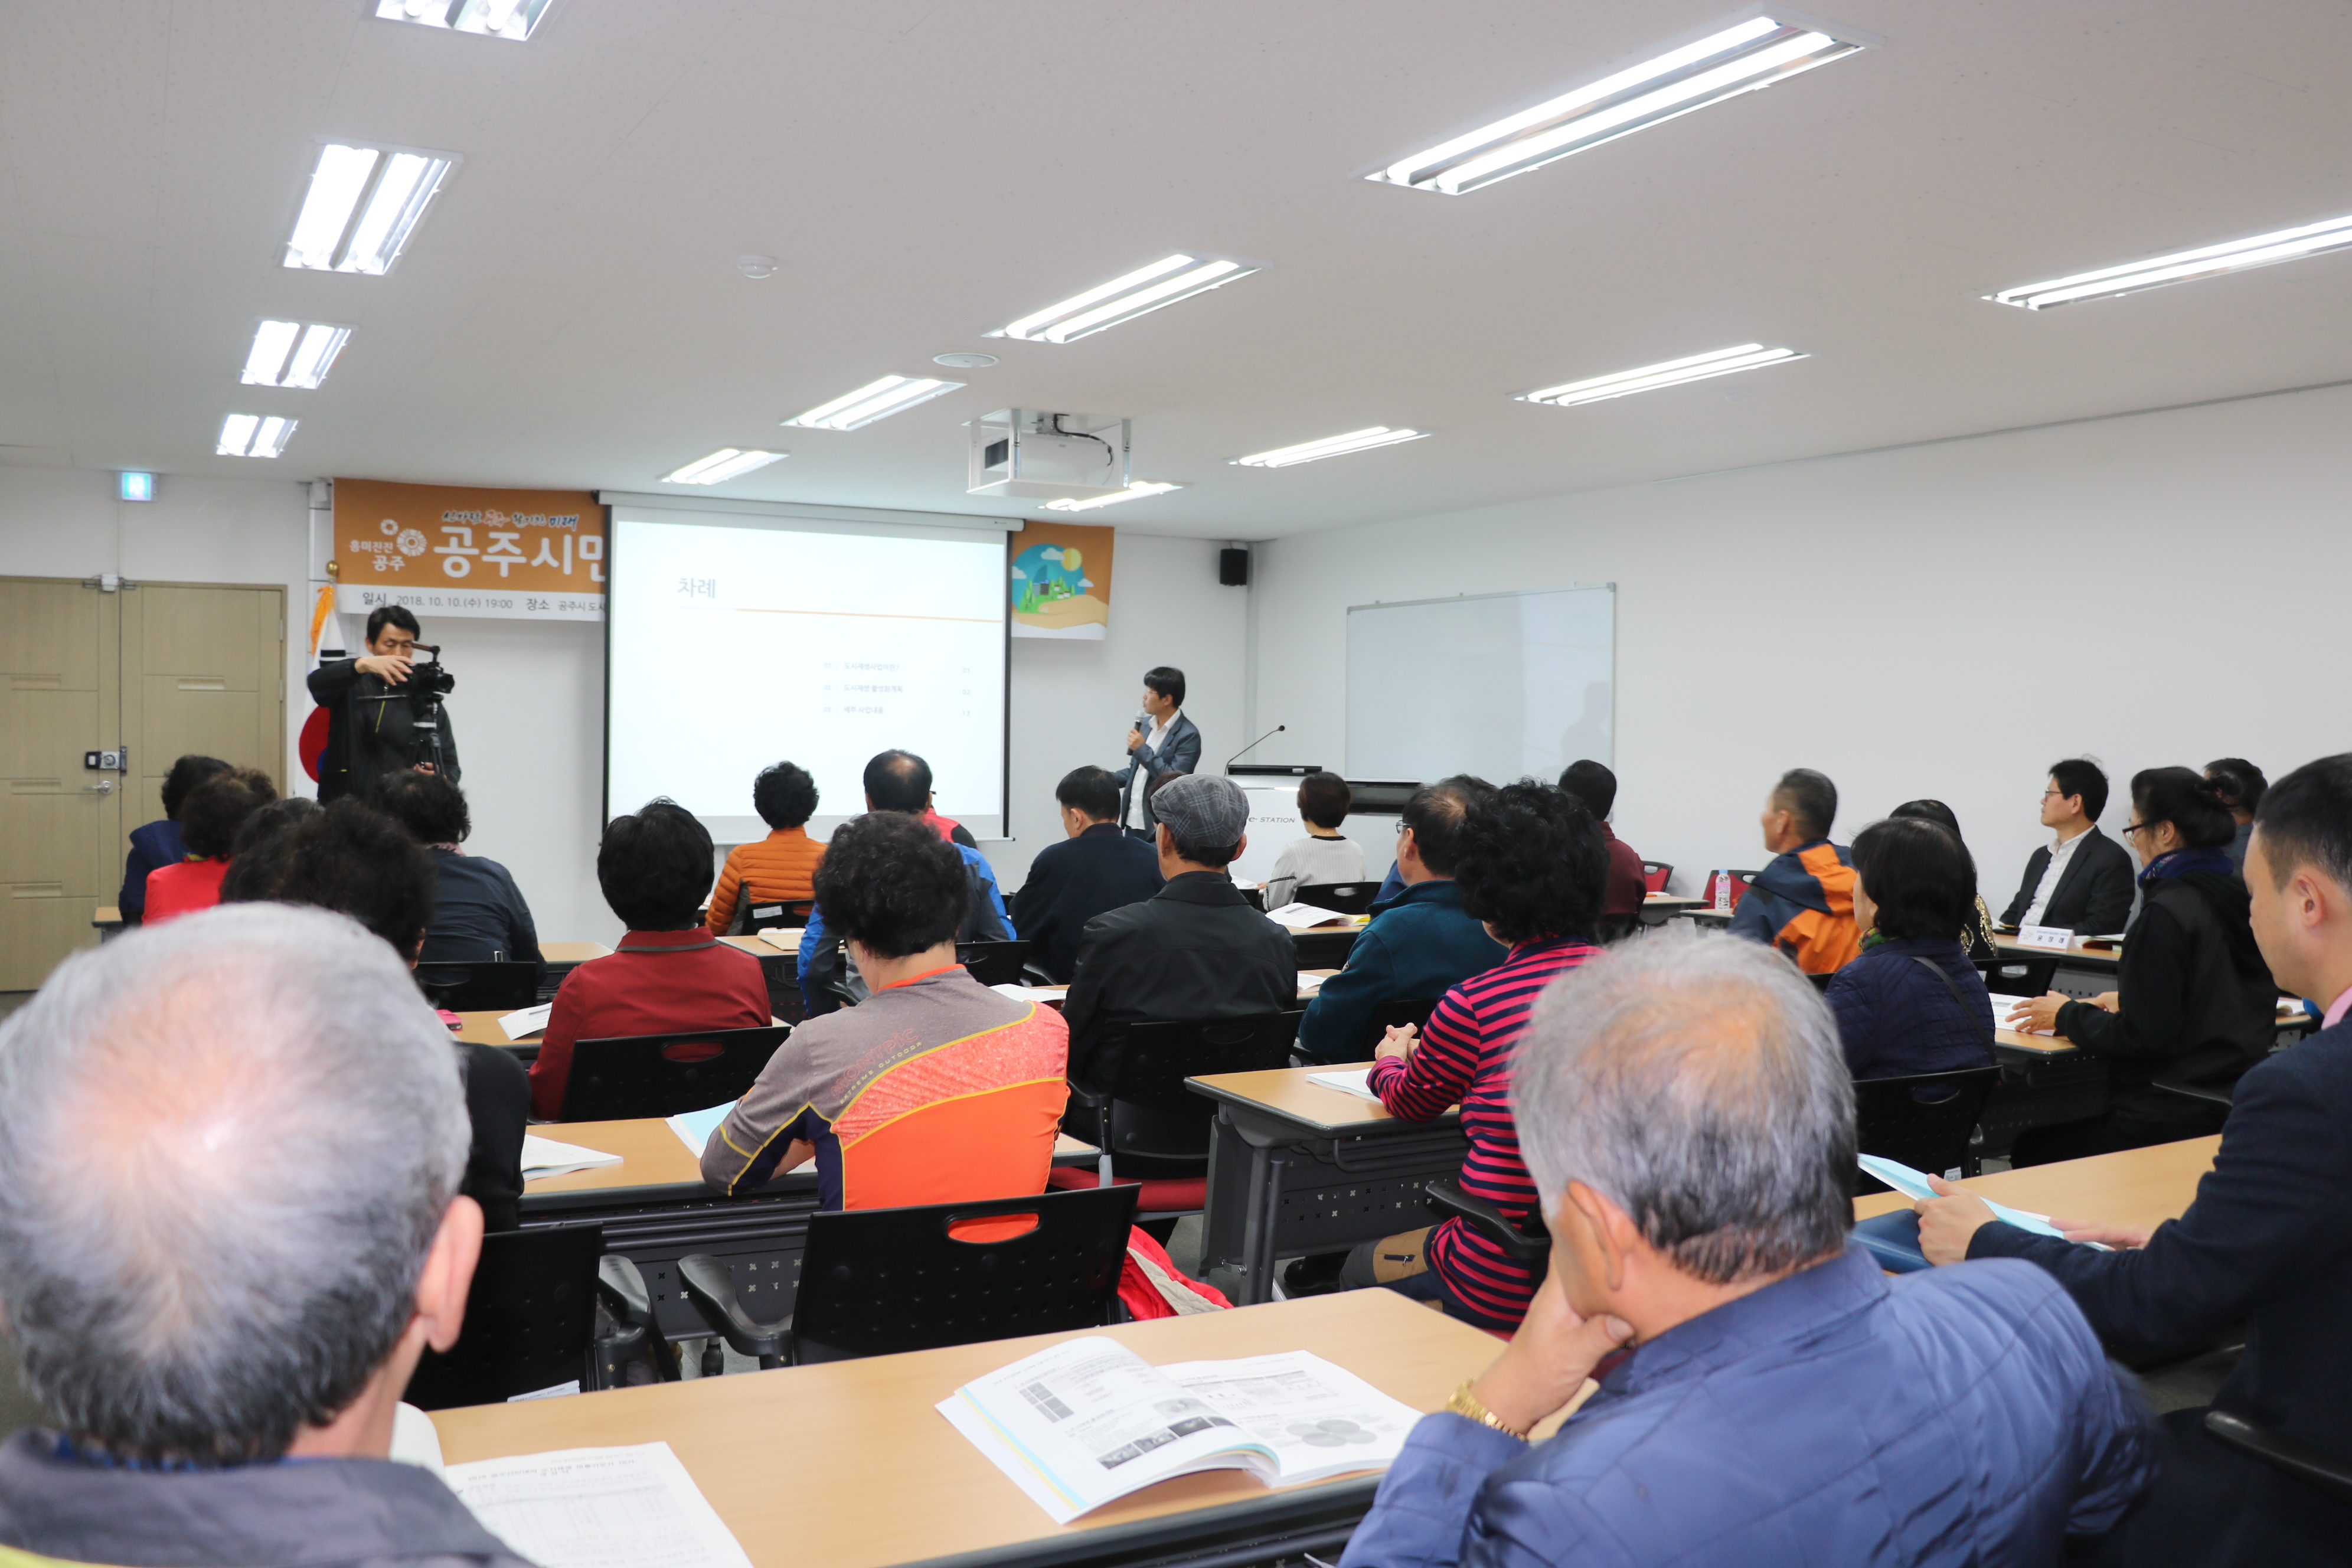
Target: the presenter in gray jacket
(1161, 741)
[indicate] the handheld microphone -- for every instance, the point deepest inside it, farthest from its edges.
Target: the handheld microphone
(1245, 751)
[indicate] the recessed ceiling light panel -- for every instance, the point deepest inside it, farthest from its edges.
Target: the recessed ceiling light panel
(1137, 293)
(1669, 373)
(2183, 265)
(511, 19)
(1753, 54)
(725, 464)
(874, 400)
(1331, 446)
(1135, 491)
(363, 204)
(290, 353)
(254, 436)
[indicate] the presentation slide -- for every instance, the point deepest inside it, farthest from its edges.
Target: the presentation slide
(733, 644)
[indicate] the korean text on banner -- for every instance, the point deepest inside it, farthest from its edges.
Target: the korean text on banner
(533, 556)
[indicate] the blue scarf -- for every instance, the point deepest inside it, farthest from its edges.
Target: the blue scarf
(2181, 862)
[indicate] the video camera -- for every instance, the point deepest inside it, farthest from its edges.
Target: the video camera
(428, 676)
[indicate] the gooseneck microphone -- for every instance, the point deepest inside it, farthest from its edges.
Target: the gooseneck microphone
(1253, 745)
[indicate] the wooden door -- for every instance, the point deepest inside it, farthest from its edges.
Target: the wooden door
(61, 845)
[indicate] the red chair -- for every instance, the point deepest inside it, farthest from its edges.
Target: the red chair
(1740, 882)
(1654, 874)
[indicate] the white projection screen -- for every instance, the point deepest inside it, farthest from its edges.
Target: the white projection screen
(735, 641)
(1499, 685)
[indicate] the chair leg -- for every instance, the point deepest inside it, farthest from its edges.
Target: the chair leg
(714, 1358)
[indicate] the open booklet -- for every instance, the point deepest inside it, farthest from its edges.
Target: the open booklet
(1089, 1421)
(1301, 917)
(547, 1157)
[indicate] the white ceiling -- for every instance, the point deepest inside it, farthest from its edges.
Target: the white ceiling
(570, 313)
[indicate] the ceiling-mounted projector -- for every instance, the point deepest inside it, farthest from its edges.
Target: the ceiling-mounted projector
(1031, 454)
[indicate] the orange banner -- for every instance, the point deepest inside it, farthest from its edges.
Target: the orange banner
(444, 550)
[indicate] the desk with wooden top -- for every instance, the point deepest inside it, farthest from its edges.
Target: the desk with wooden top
(1297, 1167)
(1659, 908)
(848, 1464)
(2141, 1187)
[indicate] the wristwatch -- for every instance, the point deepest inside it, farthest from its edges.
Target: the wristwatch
(1466, 1404)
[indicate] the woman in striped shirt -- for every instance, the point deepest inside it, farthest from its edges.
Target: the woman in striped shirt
(1532, 867)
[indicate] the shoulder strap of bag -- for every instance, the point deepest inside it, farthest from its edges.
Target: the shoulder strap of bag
(1952, 986)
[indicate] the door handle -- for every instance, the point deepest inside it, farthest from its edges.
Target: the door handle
(103, 786)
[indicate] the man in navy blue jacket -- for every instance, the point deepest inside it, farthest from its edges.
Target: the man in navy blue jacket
(1095, 869)
(2268, 1243)
(1420, 944)
(1765, 1396)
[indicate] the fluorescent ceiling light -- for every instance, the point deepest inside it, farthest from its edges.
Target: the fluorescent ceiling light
(287, 353)
(727, 463)
(2210, 261)
(492, 18)
(1139, 293)
(363, 204)
(252, 436)
(1135, 491)
(874, 400)
(1331, 446)
(1671, 373)
(1754, 54)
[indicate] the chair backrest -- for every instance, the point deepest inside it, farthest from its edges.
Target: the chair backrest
(769, 917)
(1923, 1120)
(665, 1074)
(479, 987)
(1733, 883)
(993, 963)
(1340, 897)
(1323, 949)
(1395, 1012)
(1151, 1112)
(1654, 875)
(531, 1319)
(877, 1281)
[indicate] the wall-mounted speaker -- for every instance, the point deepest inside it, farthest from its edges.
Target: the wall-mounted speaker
(1232, 568)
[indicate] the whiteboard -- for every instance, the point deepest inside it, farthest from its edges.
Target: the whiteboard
(1499, 685)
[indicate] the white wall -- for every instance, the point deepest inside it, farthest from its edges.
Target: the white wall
(1938, 621)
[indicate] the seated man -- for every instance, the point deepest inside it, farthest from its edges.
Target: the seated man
(1622, 898)
(1690, 1127)
(226, 1320)
(2267, 1245)
(780, 868)
(359, 863)
(1325, 854)
(1195, 949)
(1420, 946)
(899, 781)
(934, 1089)
(2084, 881)
(1096, 867)
(1802, 902)
(478, 913)
(669, 973)
(1531, 863)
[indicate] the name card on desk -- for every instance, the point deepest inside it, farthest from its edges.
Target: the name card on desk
(2059, 938)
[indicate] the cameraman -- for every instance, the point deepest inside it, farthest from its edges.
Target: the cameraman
(371, 718)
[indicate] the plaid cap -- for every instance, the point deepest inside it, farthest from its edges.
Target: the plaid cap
(1202, 810)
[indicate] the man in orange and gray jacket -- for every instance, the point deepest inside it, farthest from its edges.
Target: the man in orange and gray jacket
(1802, 903)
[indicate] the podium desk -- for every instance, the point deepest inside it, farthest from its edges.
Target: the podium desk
(2135, 1187)
(1296, 1167)
(847, 1463)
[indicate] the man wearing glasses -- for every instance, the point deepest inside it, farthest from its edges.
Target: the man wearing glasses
(2083, 882)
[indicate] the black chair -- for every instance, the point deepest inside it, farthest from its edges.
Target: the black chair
(993, 963)
(2209, 1073)
(1149, 1114)
(1935, 1133)
(1394, 1014)
(2315, 1466)
(1322, 949)
(530, 1320)
(877, 1281)
(665, 1074)
(769, 917)
(1340, 898)
(480, 988)
(1528, 1242)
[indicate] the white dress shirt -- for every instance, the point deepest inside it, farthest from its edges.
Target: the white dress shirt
(2059, 855)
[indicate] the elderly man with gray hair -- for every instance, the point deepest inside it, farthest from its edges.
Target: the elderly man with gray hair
(1766, 1395)
(230, 1150)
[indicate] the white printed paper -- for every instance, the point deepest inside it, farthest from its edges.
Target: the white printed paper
(1357, 1081)
(598, 1508)
(2058, 938)
(1299, 916)
(1032, 992)
(546, 1157)
(415, 1439)
(525, 1020)
(1310, 983)
(694, 1128)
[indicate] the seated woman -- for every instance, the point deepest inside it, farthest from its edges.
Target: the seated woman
(1532, 867)
(2192, 990)
(670, 972)
(209, 820)
(478, 913)
(1325, 855)
(155, 845)
(2242, 786)
(1976, 932)
(1911, 1001)
(780, 868)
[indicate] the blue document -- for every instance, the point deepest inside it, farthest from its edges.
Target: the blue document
(1912, 1184)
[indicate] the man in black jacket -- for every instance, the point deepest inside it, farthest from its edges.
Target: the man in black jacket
(478, 913)
(2084, 882)
(1095, 869)
(371, 714)
(1196, 949)
(2268, 1243)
